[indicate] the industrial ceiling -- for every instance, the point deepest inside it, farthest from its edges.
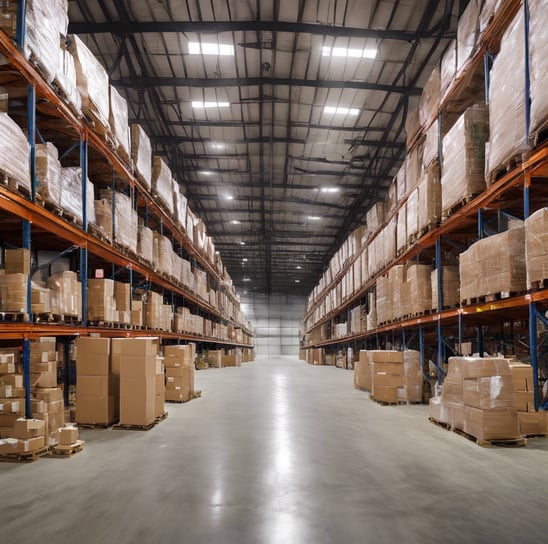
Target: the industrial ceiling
(283, 120)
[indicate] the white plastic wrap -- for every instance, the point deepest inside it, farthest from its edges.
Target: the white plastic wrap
(538, 51)
(412, 215)
(65, 78)
(430, 98)
(468, 32)
(180, 208)
(429, 207)
(71, 194)
(431, 142)
(536, 247)
(145, 243)
(199, 234)
(507, 98)
(401, 229)
(448, 66)
(488, 11)
(162, 184)
(125, 222)
(413, 162)
(14, 151)
(463, 157)
(141, 153)
(118, 119)
(103, 217)
(401, 180)
(92, 81)
(48, 173)
(165, 252)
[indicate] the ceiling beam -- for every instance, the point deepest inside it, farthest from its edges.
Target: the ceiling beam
(145, 82)
(215, 27)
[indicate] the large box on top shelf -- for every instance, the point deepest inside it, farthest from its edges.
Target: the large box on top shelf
(14, 147)
(17, 261)
(162, 184)
(118, 121)
(538, 55)
(141, 153)
(536, 247)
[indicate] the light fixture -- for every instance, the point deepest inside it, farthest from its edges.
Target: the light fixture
(247, 279)
(242, 243)
(209, 104)
(329, 189)
(341, 111)
(206, 172)
(229, 197)
(203, 48)
(235, 222)
(218, 146)
(299, 267)
(244, 260)
(367, 53)
(297, 281)
(314, 217)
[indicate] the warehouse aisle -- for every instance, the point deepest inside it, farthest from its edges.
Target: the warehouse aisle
(280, 452)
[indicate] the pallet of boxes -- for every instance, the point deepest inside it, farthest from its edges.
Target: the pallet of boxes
(479, 401)
(179, 367)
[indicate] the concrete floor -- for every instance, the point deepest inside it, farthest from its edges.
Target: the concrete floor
(280, 452)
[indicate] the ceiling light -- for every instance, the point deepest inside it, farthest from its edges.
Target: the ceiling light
(199, 104)
(299, 267)
(247, 279)
(206, 172)
(242, 243)
(341, 111)
(229, 197)
(217, 146)
(244, 260)
(346, 52)
(197, 48)
(235, 222)
(297, 281)
(314, 217)
(329, 189)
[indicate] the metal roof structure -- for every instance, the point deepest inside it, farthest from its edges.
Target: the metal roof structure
(283, 121)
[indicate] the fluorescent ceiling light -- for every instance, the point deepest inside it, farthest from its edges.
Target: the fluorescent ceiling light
(242, 243)
(247, 279)
(297, 281)
(329, 189)
(199, 104)
(235, 222)
(341, 111)
(229, 197)
(346, 52)
(314, 217)
(217, 146)
(206, 172)
(299, 267)
(197, 48)
(244, 260)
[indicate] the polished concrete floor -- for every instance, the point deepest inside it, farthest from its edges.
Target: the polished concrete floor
(280, 452)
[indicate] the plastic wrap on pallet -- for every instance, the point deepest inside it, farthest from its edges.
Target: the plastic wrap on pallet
(489, 392)
(92, 81)
(536, 247)
(65, 79)
(431, 143)
(392, 196)
(187, 278)
(383, 302)
(71, 194)
(48, 173)
(419, 288)
(412, 124)
(412, 377)
(468, 32)
(463, 157)
(413, 163)
(200, 282)
(412, 224)
(141, 154)
(429, 206)
(45, 21)
(180, 209)
(199, 234)
(14, 152)
(538, 54)
(101, 302)
(401, 229)
(145, 243)
(389, 241)
(488, 11)
(190, 220)
(118, 119)
(430, 98)
(401, 180)
(507, 99)
(451, 287)
(176, 266)
(162, 184)
(40, 299)
(165, 252)
(103, 217)
(448, 66)
(494, 265)
(153, 310)
(398, 291)
(125, 222)
(65, 294)
(13, 293)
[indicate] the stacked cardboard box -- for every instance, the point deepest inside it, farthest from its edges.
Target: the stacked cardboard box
(103, 217)
(386, 374)
(411, 391)
(12, 391)
(162, 186)
(48, 173)
(179, 365)
(14, 147)
(66, 294)
(233, 357)
(362, 372)
(71, 195)
(101, 302)
(448, 408)
(48, 406)
(40, 301)
(118, 122)
(138, 369)
(141, 153)
(450, 284)
(153, 310)
(159, 388)
(538, 20)
(146, 243)
(27, 436)
(43, 362)
(95, 384)
(536, 247)
(13, 293)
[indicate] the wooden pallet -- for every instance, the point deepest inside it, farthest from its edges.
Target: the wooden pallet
(195, 395)
(504, 168)
(24, 457)
(383, 402)
(535, 435)
(96, 425)
(540, 135)
(14, 317)
(538, 285)
(162, 417)
(457, 206)
(503, 442)
(67, 451)
(130, 427)
(66, 319)
(441, 424)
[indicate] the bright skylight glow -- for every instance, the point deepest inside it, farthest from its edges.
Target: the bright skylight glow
(197, 48)
(352, 53)
(329, 189)
(229, 197)
(341, 111)
(198, 104)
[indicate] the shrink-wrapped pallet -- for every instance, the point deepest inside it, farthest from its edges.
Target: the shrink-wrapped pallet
(165, 252)
(391, 197)
(14, 152)
(448, 408)
(488, 11)
(125, 222)
(463, 158)
(412, 124)
(153, 310)
(101, 302)
(103, 217)
(448, 66)
(180, 208)
(145, 243)
(429, 206)
(48, 173)
(401, 229)
(431, 143)
(65, 78)
(398, 292)
(430, 98)
(388, 236)
(412, 378)
(383, 301)
(162, 183)
(199, 234)
(538, 55)
(412, 224)
(92, 81)
(507, 100)
(468, 33)
(141, 154)
(536, 248)
(66, 293)
(372, 314)
(118, 120)
(413, 164)
(451, 287)
(418, 289)
(71, 195)
(187, 278)
(40, 299)
(401, 181)
(190, 220)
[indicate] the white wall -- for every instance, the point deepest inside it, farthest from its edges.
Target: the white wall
(277, 320)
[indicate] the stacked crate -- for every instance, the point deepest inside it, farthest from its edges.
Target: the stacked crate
(179, 367)
(12, 391)
(386, 375)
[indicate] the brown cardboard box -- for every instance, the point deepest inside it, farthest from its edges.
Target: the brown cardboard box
(28, 428)
(91, 364)
(137, 318)
(17, 261)
(122, 295)
(99, 410)
(522, 376)
(92, 345)
(7, 420)
(491, 424)
(385, 394)
(15, 380)
(387, 368)
(139, 388)
(92, 386)
(533, 423)
(49, 394)
(12, 407)
(385, 356)
(384, 379)
(479, 367)
(523, 399)
(137, 411)
(43, 380)
(6, 391)
(140, 347)
(138, 366)
(68, 435)
(13, 445)
(7, 368)
(489, 393)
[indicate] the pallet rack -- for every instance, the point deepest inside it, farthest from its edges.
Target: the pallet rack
(28, 222)
(516, 194)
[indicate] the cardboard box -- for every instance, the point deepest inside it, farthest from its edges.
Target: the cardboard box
(12, 406)
(385, 356)
(384, 379)
(7, 368)
(99, 410)
(491, 424)
(43, 380)
(14, 445)
(522, 377)
(92, 364)
(92, 386)
(8, 420)
(28, 428)
(533, 423)
(92, 345)
(385, 394)
(15, 380)
(68, 435)
(17, 261)
(138, 366)
(137, 388)
(139, 347)
(523, 399)
(137, 411)
(479, 367)
(48, 395)
(489, 393)
(6, 391)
